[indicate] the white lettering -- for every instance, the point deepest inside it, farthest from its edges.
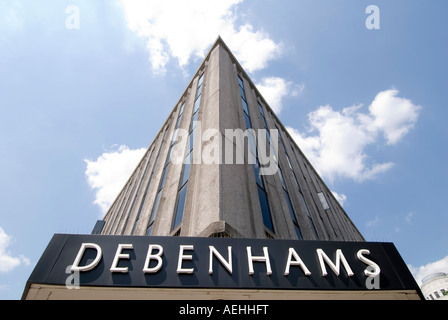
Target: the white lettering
(369, 272)
(335, 267)
(119, 255)
(264, 258)
(187, 310)
(225, 263)
(211, 153)
(90, 255)
(297, 262)
(93, 264)
(264, 159)
(236, 309)
(182, 257)
(157, 256)
(238, 136)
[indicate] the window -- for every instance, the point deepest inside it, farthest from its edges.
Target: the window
(190, 142)
(262, 195)
(180, 206)
(308, 214)
(282, 180)
(240, 82)
(196, 105)
(185, 172)
(323, 201)
(195, 119)
(262, 115)
(179, 117)
(245, 108)
(183, 183)
(137, 193)
(267, 219)
(247, 120)
(258, 177)
(162, 181)
(155, 207)
(297, 228)
(149, 181)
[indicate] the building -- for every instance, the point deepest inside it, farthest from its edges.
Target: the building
(435, 286)
(214, 195)
(224, 182)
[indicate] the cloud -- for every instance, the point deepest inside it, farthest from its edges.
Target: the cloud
(392, 115)
(336, 141)
(185, 29)
(274, 89)
(340, 197)
(109, 173)
(7, 261)
(421, 272)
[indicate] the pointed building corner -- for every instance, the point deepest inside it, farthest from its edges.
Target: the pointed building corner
(223, 205)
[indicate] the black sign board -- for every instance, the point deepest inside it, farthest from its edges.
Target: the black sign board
(172, 262)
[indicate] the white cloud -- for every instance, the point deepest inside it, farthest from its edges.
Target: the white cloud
(274, 89)
(336, 140)
(421, 272)
(340, 197)
(7, 260)
(184, 29)
(392, 115)
(109, 173)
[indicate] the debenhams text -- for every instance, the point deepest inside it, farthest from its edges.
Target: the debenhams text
(154, 263)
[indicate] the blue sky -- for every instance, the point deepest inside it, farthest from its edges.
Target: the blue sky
(86, 85)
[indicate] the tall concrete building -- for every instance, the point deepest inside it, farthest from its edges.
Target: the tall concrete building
(223, 205)
(219, 189)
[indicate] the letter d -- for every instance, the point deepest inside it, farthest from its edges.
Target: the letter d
(93, 264)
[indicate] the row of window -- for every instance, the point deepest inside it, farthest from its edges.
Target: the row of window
(443, 293)
(262, 194)
(149, 183)
(280, 174)
(138, 192)
(155, 207)
(267, 218)
(299, 189)
(133, 191)
(183, 184)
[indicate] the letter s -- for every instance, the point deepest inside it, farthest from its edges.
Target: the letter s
(376, 269)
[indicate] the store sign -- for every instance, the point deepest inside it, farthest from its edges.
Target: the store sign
(170, 262)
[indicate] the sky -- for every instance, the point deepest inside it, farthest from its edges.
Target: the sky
(86, 85)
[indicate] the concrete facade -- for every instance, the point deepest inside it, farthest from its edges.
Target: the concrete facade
(222, 198)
